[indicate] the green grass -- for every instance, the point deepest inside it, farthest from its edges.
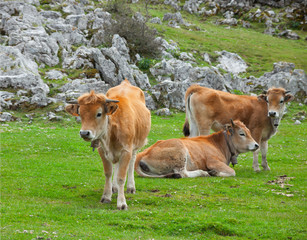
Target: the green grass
(51, 184)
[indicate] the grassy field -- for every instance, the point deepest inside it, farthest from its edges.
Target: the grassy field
(51, 184)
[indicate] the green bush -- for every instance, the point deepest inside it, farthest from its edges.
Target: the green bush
(144, 63)
(140, 38)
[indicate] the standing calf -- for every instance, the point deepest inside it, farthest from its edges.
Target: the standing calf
(118, 124)
(198, 156)
(208, 108)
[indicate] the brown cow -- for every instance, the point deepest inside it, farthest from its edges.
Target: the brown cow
(118, 124)
(209, 109)
(198, 156)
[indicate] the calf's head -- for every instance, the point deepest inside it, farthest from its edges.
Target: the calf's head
(276, 99)
(241, 137)
(93, 110)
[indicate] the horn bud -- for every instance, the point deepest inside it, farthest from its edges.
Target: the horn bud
(111, 100)
(73, 102)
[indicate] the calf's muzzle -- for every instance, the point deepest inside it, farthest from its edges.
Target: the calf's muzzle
(85, 134)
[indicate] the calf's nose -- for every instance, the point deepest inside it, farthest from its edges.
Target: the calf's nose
(272, 114)
(256, 146)
(84, 133)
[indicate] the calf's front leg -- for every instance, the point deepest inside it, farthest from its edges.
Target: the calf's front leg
(107, 191)
(121, 179)
(130, 181)
(220, 169)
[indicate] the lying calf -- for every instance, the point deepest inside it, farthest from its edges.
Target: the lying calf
(198, 156)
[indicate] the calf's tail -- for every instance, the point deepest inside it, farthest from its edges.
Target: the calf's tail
(186, 126)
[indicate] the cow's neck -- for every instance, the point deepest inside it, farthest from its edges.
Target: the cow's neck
(232, 152)
(104, 139)
(271, 128)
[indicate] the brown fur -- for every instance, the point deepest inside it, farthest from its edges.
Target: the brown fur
(209, 109)
(195, 157)
(121, 128)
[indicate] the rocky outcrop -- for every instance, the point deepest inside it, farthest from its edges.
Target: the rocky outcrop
(283, 75)
(231, 62)
(19, 72)
(73, 38)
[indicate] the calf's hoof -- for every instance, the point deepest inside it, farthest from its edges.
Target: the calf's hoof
(105, 200)
(212, 172)
(122, 206)
(131, 190)
(256, 169)
(266, 168)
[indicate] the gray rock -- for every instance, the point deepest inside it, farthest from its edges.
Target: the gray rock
(283, 75)
(53, 117)
(78, 87)
(289, 34)
(59, 109)
(176, 17)
(246, 24)
(155, 20)
(121, 45)
(20, 72)
(231, 62)
(150, 103)
(186, 56)
(81, 58)
(54, 74)
(72, 7)
(79, 21)
(228, 21)
(6, 95)
(192, 6)
(173, 3)
(163, 112)
(207, 58)
(51, 14)
(6, 117)
(283, 67)
(297, 122)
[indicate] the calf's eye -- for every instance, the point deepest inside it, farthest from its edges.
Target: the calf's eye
(242, 134)
(281, 101)
(99, 114)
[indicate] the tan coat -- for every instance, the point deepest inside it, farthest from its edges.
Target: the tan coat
(198, 156)
(118, 124)
(207, 109)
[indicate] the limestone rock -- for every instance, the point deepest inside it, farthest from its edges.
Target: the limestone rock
(231, 62)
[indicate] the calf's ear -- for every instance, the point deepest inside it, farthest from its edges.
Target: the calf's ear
(289, 97)
(72, 109)
(111, 108)
(262, 97)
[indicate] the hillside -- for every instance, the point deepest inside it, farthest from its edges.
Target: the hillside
(54, 50)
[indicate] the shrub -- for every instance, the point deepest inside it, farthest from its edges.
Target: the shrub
(144, 63)
(140, 38)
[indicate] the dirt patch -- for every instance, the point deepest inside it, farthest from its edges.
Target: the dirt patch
(282, 181)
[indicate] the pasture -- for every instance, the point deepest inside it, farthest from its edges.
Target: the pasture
(51, 184)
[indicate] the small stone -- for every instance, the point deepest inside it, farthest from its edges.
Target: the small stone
(297, 122)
